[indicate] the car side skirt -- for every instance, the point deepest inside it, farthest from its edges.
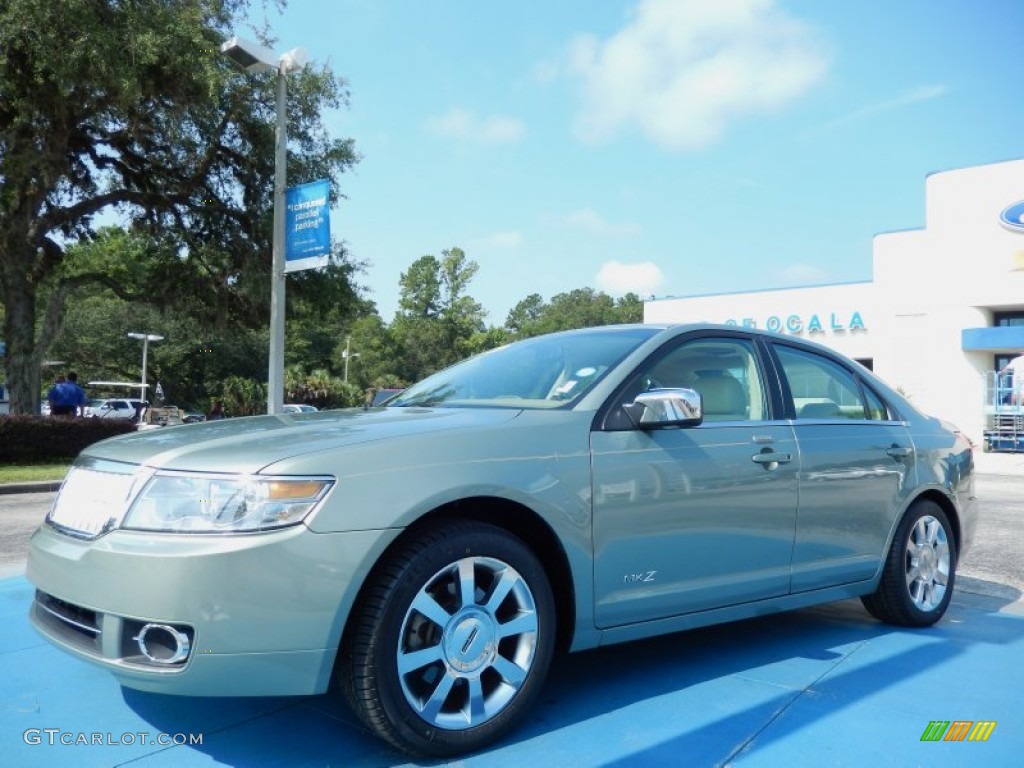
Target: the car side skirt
(734, 613)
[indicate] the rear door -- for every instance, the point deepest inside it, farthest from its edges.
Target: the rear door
(697, 518)
(856, 458)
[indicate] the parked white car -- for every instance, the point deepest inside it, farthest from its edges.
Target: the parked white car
(299, 408)
(117, 408)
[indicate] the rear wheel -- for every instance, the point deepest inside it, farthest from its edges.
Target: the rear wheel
(451, 642)
(919, 572)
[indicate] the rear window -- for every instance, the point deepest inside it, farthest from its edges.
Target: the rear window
(823, 389)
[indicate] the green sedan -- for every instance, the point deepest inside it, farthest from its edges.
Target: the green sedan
(429, 558)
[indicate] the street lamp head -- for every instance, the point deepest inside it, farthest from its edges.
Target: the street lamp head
(294, 60)
(249, 56)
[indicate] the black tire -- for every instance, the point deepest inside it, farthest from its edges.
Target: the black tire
(469, 675)
(919, 572)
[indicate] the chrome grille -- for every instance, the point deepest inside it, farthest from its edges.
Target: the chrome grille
(77, 626)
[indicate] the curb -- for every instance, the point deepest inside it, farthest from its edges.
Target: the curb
(42, 486)
(12, 569)
(980, 585)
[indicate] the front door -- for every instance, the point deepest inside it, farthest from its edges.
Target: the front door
(691, 519)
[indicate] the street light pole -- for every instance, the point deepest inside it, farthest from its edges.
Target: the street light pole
(146, 338)
(347, 354)
(253, 57)
(275, 374)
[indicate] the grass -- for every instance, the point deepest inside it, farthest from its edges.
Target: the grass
(27, 473)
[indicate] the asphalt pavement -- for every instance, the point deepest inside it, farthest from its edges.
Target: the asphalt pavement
(823, 686)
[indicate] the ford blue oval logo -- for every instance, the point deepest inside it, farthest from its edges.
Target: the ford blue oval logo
(1013, 217)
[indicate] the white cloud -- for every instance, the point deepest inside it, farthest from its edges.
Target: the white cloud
(618, 278)
(590, 221)
(465, 125)
(913, 96)
(681, 70)
(800, 274)
(504, 240)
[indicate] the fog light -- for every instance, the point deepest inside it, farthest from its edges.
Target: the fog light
(163, 644)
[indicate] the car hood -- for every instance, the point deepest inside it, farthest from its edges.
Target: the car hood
(250, 444)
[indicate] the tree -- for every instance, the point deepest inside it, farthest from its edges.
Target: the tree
(629, 309)
(190, 362)
(128, 107)
(378, 361)
(320, 389)
(579, 308)
(322, 305)
(243, 397)
(525, 315)
(205, 340)
(437, 319)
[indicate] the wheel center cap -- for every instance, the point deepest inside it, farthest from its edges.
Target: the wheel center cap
(469, 642)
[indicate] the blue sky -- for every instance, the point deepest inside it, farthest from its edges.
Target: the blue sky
(668, 147)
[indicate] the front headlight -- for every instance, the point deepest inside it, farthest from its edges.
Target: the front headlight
(194, 503)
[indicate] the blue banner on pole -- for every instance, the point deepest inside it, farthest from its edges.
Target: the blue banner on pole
(307, 226)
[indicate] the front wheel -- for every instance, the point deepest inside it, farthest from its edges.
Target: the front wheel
(451, 641)
(919, 572)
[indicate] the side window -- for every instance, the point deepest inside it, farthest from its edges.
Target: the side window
(724, 371)
(823, 389)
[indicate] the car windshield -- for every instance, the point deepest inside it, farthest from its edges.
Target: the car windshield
(382, 396)
(543, 372)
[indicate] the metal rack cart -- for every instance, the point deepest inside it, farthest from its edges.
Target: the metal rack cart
(1004, 414)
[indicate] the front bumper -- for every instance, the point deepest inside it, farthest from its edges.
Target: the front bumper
(263, 612)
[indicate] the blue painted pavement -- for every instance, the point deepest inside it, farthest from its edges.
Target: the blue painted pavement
(824, 686)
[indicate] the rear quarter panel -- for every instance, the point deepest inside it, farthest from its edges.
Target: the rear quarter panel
(945, 465)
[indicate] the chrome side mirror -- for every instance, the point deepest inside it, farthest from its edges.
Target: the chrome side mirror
(666, 408)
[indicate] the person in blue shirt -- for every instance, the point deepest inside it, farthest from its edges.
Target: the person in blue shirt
(66, 397)
(56, 397)
(75, 395)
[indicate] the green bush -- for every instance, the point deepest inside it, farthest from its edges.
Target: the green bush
(319, 388)
(243, 397)
(32, 439)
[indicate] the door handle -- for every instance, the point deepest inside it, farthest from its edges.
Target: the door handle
(771, 457)
(899, 452)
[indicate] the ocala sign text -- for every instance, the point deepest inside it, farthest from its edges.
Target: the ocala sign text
(834, 322)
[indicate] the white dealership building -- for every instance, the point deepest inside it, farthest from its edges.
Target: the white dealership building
(945, 307)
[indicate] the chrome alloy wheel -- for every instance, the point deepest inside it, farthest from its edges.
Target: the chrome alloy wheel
(467, 643)
(928, 560)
